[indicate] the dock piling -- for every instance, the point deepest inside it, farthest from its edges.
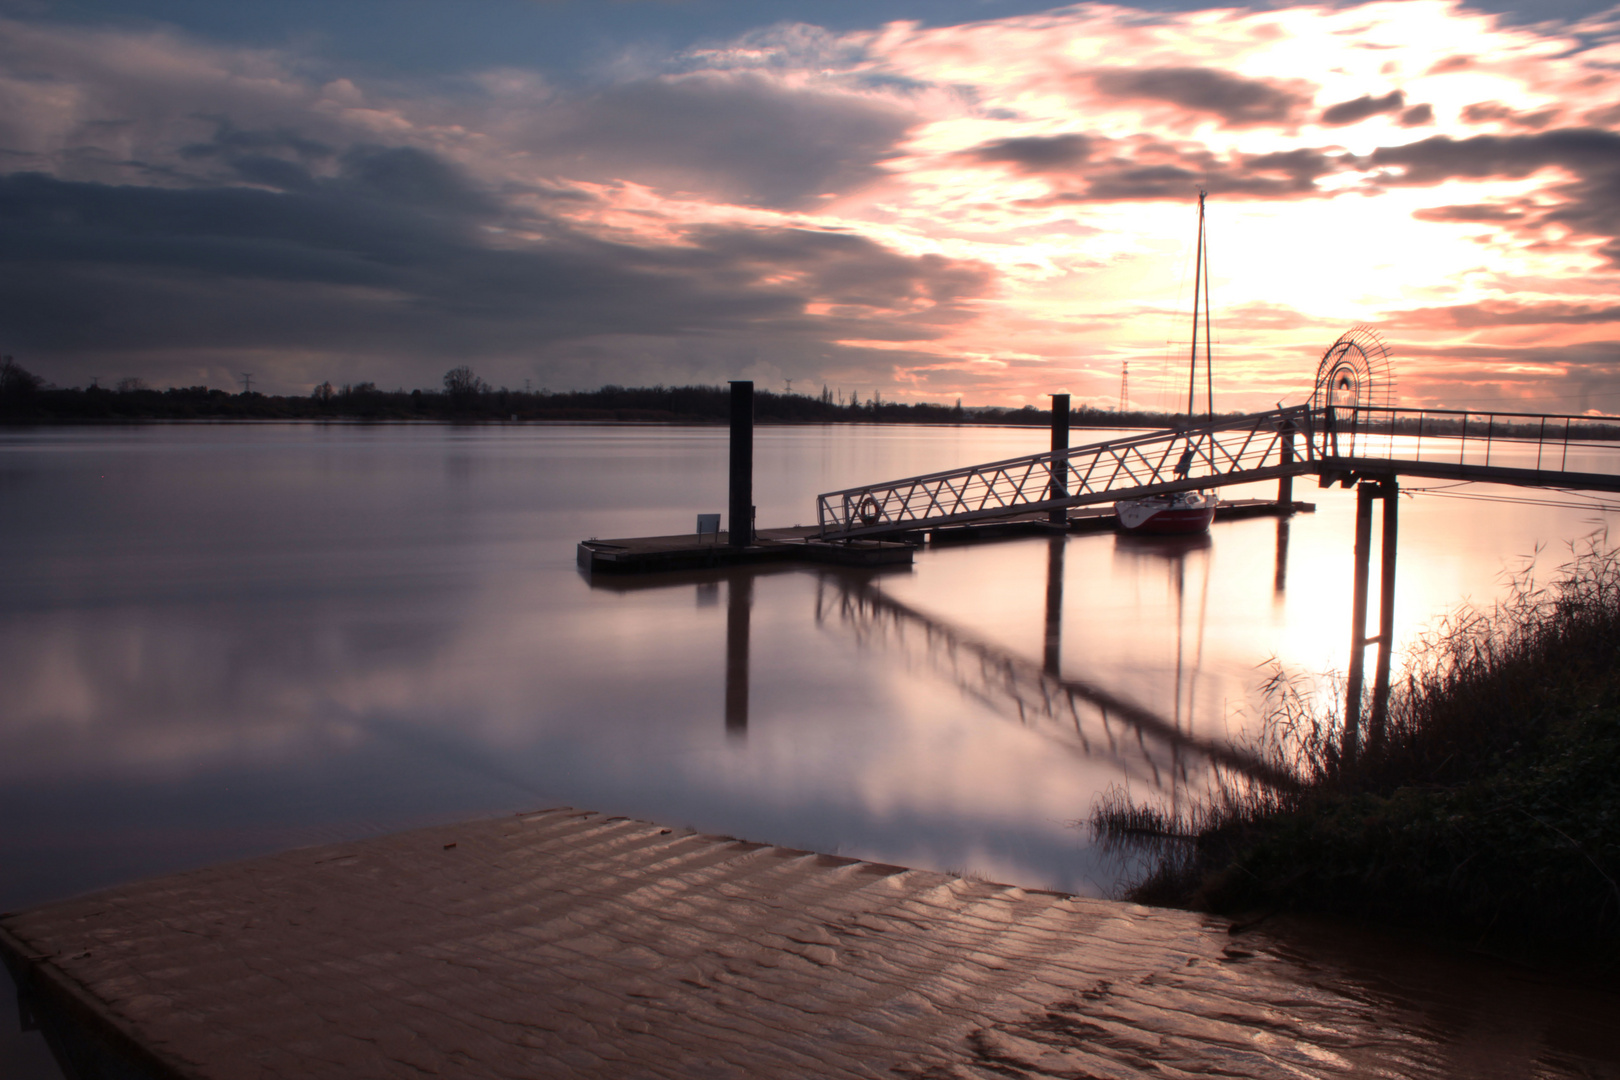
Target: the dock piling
(1285, 483)
(742, 464)
(1358, 622)
(1060, 470)
(1387, 489)
(1390, 490)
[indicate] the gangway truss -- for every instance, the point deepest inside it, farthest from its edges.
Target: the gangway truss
(1336, 442)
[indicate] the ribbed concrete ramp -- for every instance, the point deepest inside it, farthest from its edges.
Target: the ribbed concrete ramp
(568, 944)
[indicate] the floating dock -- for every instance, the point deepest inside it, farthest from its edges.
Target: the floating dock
(691, 551)
(568, 944)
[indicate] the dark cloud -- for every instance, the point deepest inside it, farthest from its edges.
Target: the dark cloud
(1483, 212)
(1239, 101)
(392, 262)
(1155, 170)
(1590, 203)
(1580, 376)
(230, 140)
(1451, 63)
(1035, 153)
(1485, 112)
(737, 134)
(1417, 116)
(1358, 109)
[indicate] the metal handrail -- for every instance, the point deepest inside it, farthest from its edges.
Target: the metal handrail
(1209, 454)
(1202, 454)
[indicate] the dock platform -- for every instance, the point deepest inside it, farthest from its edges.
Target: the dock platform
(802, 543)
(568, 944)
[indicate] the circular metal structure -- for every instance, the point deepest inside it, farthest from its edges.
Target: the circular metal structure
(1355, 373)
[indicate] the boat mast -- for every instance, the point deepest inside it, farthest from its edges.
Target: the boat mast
(1209, 370)
(1198, 286)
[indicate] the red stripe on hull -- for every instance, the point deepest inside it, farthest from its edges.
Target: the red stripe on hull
(1177, 522)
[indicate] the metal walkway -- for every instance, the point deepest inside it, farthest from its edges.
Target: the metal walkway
(1337, 443)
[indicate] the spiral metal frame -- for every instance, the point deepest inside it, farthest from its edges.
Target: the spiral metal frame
(1355, 374)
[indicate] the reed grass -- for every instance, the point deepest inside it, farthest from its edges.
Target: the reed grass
(1489, 805)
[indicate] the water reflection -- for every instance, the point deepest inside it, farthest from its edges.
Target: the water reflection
(1081, 716)
(1280, 578)
(216, 642)
(739, 606)
(1052, 655)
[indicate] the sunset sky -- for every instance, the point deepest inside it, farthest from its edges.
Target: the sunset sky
(991, 201)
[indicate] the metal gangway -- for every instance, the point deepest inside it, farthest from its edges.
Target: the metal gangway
(1336, 442)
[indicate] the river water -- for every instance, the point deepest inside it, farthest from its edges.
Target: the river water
(217, 641)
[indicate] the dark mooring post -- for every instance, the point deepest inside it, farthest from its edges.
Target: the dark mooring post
(1060, 470)
(739, 605)
(742, 464)
(1390, 490)
(1054, 604)
(1285, 484)
(1358, 621)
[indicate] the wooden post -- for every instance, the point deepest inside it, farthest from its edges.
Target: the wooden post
(1060, 470)
(1390, 490)
(1358, 622)
(739, 606)
(741, 524)
(1054, 604)
(1285, 484)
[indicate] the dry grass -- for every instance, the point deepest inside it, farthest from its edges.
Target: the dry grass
(1490, 801)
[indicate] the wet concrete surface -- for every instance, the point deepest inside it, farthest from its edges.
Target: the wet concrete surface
(563, 943)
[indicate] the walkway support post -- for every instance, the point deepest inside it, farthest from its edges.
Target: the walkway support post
(1358, 623)
(1060, 470)
(741, 523)
(1390, 490)
(1285, 484)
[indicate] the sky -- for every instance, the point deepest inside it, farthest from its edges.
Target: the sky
(963, 199)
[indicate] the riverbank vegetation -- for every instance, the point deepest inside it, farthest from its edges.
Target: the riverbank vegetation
(465, 397)
(1490, 808)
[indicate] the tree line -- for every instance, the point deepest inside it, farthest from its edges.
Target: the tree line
(466, 397)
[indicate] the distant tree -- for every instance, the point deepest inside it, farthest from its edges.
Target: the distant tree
(129, 384)
(323, 392)
(460, 382)
(17, 381)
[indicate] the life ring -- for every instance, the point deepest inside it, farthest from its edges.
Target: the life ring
(868, 510)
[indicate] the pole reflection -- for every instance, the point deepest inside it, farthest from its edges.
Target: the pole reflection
(739, 608)
(1084, 717)
(1280, 580)
(1053, 660)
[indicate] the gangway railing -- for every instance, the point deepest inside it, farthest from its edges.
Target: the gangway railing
(1201, 455)
(1337, 442)
(1525, 449)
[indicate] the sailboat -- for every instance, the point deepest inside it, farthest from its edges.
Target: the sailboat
(1182, 512)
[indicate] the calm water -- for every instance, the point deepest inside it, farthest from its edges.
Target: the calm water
(217, 641)
(221, 641)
